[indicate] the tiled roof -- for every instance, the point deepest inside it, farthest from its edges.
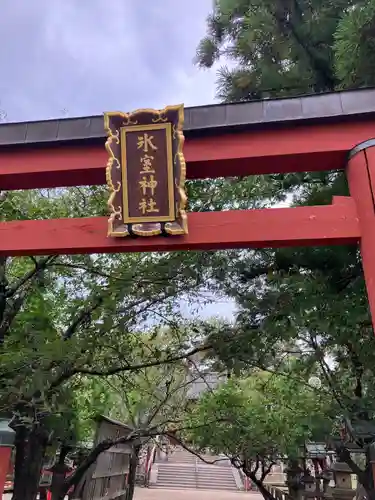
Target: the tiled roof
(335, 106)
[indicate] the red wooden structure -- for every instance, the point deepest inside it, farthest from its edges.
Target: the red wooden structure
(311, 133)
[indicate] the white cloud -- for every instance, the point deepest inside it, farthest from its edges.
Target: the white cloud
(94, 55)
(90, 56)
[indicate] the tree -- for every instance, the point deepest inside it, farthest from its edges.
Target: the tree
(62, 318)
(261, 420)
(289, 47)
(354, 46)
(153, 403)
(307, 303)
(152, 398)
(66, 319)
(311, 307)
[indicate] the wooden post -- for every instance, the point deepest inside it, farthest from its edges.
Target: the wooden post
(5, 454)
(361, 179)
(7, 436)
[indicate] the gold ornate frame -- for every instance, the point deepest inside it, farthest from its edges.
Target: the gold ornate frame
(177, 227)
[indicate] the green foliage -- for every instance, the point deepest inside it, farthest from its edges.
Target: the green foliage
(262, 417)
(279, 48)
(90, 400)
(300, 312)
(150, 398)
(355, 47)
(310, 302)
(66, 318)
(68, 323)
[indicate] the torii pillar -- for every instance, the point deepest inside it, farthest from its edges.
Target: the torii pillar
(361, 179)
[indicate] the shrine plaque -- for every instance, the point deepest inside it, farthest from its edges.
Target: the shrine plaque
(146, 172)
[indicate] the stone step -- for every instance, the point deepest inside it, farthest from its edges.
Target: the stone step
(173, 470)
(176, 465)
(176, 470)
(173, 487)
(215, 470)
(212, 479)
(174, 480)
(215, 481)
(210, 474)
(216, 478)
(184, 470)
(182, 462)
(229, 483)
(176, 475)
(180, 477)
(184, 487)
(202, 478)
(193, 482)
(177, 486)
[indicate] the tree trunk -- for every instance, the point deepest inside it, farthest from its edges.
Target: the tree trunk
(265, 493)
(60, 471)
(262, 489)
(20, 447)
(30, 450)
(132, 473)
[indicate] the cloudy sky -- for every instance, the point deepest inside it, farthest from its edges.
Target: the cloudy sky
(82, 57)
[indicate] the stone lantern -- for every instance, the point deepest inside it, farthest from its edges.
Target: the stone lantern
(343, 481)
(7, 437)
(293, 479)
(310, 486)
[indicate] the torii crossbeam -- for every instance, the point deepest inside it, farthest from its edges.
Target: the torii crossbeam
(312, 133)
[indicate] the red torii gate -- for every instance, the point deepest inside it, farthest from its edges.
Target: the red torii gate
(312, 133)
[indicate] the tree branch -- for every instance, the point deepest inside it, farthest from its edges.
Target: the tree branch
(10, 314)
(193, 452)
(76, 477)
(345, 456)
(120, 369)
(40, 265)
(67, 374)
(326, 79)
(134, 435)
(82, 317)
(266, 470)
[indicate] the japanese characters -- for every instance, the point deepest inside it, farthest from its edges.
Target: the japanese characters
(148, 182)
(146, 172)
